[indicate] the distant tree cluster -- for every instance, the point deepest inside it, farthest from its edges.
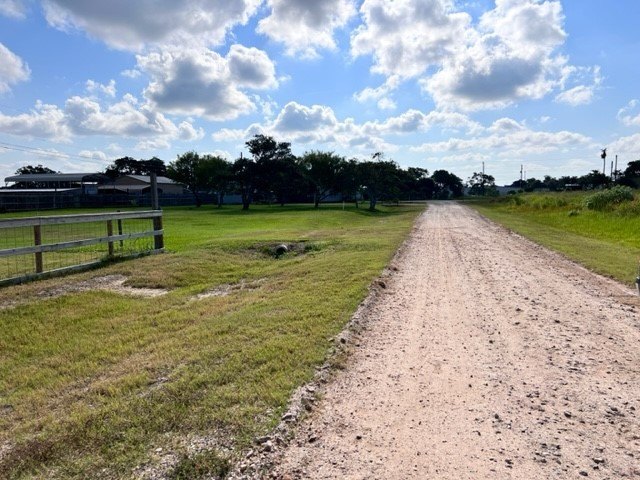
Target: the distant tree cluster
(593, 180)
(273, 174)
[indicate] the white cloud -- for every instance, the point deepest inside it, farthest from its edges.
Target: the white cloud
(386, 104)
(13, 8)
(131, 73)
(227, 135)
(627, 146)
(318, 124)
(45, 121)
(12, 69)
(85, 116)
(510, 54)
(96, 87)
(202, 83)
(380, 93)
(405, 37)
(630, 114)
(187, 132)
(128, 25)
(509, 142)
(511, 57)
(304, 27)
(250, 67)
(300, 118)
(581, 94)
(93, 154)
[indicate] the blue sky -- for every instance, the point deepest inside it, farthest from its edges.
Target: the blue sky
(431, 83)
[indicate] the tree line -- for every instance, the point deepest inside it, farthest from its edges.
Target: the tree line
(273, 174)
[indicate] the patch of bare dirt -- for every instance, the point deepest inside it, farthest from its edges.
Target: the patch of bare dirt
(110, 283)
(229, 288)
(486, 356)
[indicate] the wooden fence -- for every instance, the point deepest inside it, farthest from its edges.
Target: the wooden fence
(33, 247)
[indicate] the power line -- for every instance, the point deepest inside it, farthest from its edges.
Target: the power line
(39, 151)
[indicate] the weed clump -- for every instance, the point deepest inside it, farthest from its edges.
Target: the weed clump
(607, 198)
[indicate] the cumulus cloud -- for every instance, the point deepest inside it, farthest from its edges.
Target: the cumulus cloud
(304, 27)
(405, 37)
(250, 67)
(12, 8)
(44, 121)
(187, 132)
(201, 82)
(627, 146)
(318, 124)
(380, 94)
(85, 116)
(507, 55)
(130, 25)
(93, 154)
(12, 69)
(506, 138)
(300, 118)
(630, 114)
(96, 87)
(581, 94)
(511, 57)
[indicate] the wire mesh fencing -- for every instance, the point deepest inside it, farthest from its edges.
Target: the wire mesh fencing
(36, 246)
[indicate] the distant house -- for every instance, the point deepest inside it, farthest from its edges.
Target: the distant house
(141, 184)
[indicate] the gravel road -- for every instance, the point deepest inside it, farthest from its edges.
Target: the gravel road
(487, 356)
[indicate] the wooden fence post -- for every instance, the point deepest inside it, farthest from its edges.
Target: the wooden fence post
(110, 234)
(158, 240)
(37, 240)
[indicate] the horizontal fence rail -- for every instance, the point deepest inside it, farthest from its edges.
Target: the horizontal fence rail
(33, 247)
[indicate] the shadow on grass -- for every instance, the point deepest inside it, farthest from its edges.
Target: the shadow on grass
(262, 209)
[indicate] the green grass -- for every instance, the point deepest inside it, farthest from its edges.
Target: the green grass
(607, 242)
(91, 383)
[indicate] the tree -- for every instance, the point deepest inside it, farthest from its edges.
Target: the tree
(379, 178)
(277, 173)
(416, 184)
(214, 172)
(131, 166)
(348, 183)
(244, 174)
(185, 170)
(630, 176)
(447, 184)
(482, 184)
(33, 170)
(322, 170)
(594, 179)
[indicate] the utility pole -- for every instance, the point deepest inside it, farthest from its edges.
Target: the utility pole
(521, 169)
(603, 156)
(483, 179)
(615, 171)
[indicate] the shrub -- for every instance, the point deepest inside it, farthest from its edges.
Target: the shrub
(607, 198)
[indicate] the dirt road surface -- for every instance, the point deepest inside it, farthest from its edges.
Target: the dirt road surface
(486, 357)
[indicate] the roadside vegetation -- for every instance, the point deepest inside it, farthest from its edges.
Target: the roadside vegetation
(598, 229)
(95, 383)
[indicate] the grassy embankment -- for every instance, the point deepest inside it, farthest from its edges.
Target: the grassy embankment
(93, 383)
(607, 241)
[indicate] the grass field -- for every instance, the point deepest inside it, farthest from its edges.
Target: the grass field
(607, 242)
(93, 383)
